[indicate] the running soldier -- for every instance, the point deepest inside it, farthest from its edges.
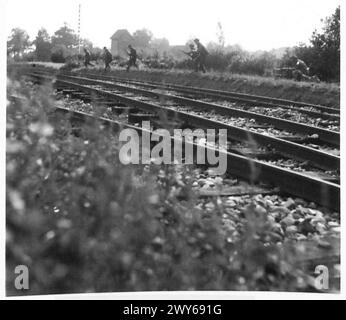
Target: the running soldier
(192, 53)
(133, 58)
(301, 66)
(87, 58)
(201, 56)
(107, 56)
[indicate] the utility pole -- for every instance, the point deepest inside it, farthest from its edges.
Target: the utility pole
(79, 7)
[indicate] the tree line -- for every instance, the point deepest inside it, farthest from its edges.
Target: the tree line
(321, 54)
(56, 48)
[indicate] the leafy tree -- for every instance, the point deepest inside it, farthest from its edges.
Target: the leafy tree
(18, 42)
(323, 53)
(142, 38)
(64, 44)
(65, 36)
(96, 53)
(60, 52)
(326, 45)
(160, 45)
(86, 43)
(43, 45)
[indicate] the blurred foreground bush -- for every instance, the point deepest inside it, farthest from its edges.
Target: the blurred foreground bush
(83, 222)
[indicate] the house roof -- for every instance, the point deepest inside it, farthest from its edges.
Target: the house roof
(121, 33)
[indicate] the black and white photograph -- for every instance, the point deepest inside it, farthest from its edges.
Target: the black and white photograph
(171, 146)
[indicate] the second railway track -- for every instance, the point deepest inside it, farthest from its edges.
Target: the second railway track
(315, 189)
(282, 141)
(312, 109)
(313, 132)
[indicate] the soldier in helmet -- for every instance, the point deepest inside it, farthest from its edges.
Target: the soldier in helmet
(300, 65)
(192, 53)
(200, 56)
(132, 58)
(87, 58)
(107, 56)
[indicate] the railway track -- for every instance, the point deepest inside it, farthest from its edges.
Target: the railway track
(310, 252)
(308, 255)
(238, 97)
(269, 102)
(243, 111)
(291, 145)
(313, 188)
(311, 133)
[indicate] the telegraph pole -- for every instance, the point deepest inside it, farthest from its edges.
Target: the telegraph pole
(79, 7)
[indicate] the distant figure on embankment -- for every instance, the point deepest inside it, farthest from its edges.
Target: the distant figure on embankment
(107, 56)
(87, 58)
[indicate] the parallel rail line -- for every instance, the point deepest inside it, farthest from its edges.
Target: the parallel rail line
(313, 189)
(318, 158)
(232, 96)
(307, 259)
(324, 135)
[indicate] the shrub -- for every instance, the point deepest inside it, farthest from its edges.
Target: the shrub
(60, 53)
(83, 222)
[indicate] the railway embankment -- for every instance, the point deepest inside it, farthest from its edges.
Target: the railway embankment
(322, 93)
(327, 94)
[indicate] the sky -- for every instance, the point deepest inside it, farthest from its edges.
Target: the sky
(253, 24)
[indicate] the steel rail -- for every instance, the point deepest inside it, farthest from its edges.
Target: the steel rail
(327, 136)
(322, 192)
(326, 112)
(312, 254)
(263, 101)
(319, 159)
(255, 98)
